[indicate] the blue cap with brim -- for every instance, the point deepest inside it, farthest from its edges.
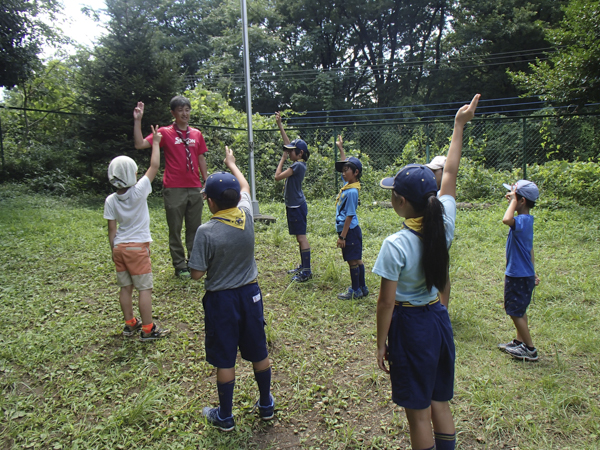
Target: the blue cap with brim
(524, 188)
(412, 182)
(296, 143)
(339, 165)
(219, 182)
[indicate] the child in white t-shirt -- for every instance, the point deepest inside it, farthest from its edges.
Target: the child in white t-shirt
(130, 242)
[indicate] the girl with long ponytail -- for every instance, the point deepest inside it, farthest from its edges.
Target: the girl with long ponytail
(414, 333)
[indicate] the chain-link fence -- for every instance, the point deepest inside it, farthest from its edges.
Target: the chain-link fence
(499, 144)
(491, 143)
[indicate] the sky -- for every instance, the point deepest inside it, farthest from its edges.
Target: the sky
(77, 25)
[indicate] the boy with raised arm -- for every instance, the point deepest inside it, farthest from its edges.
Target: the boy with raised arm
(233, 307)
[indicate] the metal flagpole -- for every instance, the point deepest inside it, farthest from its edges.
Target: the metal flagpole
(255, 208)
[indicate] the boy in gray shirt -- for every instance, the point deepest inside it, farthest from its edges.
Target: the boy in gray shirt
(233, 308)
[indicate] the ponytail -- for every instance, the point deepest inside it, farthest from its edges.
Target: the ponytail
(435, 257)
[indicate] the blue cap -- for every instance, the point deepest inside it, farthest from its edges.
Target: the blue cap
(524, 188)
(218, 183)
(412, 182)
(339, 165)
(296, 143)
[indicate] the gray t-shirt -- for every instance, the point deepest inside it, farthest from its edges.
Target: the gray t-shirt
(226, 253)
(293, 194)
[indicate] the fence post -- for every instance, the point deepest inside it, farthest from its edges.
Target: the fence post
(524, 148)
(427, 143)
(335, 153)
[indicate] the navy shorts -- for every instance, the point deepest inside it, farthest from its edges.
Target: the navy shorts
(517, 294)
(234, 318)
(296, 219)
(421, 355)
(353, 248)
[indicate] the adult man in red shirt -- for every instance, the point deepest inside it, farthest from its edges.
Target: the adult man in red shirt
(184, 149)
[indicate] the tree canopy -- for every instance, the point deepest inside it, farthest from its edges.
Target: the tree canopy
(571, 75)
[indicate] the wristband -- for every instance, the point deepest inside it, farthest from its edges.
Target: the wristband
(342, 238)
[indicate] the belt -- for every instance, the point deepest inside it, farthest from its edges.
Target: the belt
(410, 305)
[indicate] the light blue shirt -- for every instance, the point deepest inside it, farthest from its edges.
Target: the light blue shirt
(400, 259)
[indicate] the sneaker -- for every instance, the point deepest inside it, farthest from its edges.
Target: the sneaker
(183, 273)
(511, 344)
(130, 331)
(266, 412)
(365, 291)
(296, 270)
(350, 294)
(302, 276)
(155, 333)
(522, 352)
(212, 417)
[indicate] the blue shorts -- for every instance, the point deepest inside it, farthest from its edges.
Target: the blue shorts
(517, 294)
(234, 318)
(421, 355)
(353, 248)
(296, 219)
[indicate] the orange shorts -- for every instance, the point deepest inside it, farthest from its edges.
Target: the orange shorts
(132, 261)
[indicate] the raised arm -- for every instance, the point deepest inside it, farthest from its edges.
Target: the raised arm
(464, 114)
(509, 215)
(230, 163)
(155, 157)
(340, 145)
(281, 174)
(138, 139)
(284, 135)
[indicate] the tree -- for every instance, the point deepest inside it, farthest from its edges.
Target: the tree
(22, 36)
(51, 87)
(486, 39)
(126, 67)
(571, 75)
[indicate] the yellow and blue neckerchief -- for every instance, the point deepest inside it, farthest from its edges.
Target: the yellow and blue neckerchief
(355, 185)
(234, 217)
(414, 225)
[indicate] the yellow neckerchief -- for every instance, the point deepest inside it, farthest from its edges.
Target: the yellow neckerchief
(414, 225)
(234, 217)
(355, 185)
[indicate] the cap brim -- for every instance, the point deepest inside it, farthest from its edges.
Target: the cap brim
(339, 165)
(507, 186)
(387, 183)
(289, 146)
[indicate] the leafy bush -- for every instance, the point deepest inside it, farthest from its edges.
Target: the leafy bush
(579, 181)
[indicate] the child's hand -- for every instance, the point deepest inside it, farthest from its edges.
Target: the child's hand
(229, 158)
(512, 195)
(537, 280)
(341, 243)
(278, 118)
(156, 136)
(138, 112)
(340, 142)
(382, 356)
(467, 112)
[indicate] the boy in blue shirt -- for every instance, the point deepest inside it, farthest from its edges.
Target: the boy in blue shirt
(295, 202)
(346, 223)
(520, 277)
(233, 307)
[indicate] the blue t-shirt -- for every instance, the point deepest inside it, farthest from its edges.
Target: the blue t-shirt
(518, 247)
(400, 259)
(292, 193)
(346, 207)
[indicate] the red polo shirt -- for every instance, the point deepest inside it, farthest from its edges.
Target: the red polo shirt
(177, 174)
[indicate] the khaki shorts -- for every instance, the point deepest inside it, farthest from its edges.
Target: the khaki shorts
(132, 261)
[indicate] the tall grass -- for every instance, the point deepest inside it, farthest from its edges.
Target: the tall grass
(69, 380)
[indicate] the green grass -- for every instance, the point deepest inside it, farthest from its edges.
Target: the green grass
(70, 381)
